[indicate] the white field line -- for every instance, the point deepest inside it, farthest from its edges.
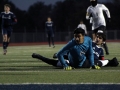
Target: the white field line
(23, 63)
(19, 59)
(61, 83)
(60, 71)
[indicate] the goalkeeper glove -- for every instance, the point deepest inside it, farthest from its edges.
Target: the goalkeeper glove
(95, 67)
(67, 68)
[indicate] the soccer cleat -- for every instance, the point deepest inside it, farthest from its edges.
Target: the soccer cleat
(114, 62)
(4, 52)
(35, 55)
(68, 68)
(107, 53)
(55, 55)
(53, 46)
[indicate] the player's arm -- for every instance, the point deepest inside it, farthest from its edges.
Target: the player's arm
(53, 27)
(101, 57)
(46, 29)
(64, 50)
(85, 29)
(91, 56)
(14, 19)
(106, 11)
(90, 53)
(87, 16)
(88, 13)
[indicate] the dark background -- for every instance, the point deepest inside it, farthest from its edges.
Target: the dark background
(66, 15)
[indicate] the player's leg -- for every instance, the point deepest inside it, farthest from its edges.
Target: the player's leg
(94, 32)
(4, 34)
(104, 43)
(8, 38)
(93, 36)
(44, 59)
(52, 39)
(86, 64)
(104, 62)
(65, 56)
(53, 62)
(49, 40)
(113, 62)
(106, 48)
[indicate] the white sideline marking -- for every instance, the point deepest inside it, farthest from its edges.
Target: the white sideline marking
(62, 71)
(59, 83)
(28, 63)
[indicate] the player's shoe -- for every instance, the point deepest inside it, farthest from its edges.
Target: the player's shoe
(114, 62)
(35, 55)
(53, 46)
(4, 52)
(55, 55)
(107, 53)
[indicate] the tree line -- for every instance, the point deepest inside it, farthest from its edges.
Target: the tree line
(66, 15)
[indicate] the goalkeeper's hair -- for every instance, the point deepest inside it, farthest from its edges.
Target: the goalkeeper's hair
(79, 31)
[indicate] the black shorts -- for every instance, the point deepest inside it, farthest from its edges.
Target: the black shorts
(7, 31)
(87, 64)
(99, 28)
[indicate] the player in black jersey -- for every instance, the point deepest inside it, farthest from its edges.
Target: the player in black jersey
(8, 19)
(49, 28)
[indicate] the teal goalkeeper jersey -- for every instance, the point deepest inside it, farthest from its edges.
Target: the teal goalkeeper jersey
(77, 52)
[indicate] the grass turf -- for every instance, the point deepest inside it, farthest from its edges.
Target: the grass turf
(19, 67)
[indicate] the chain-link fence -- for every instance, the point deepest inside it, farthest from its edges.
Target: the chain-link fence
(59, 36)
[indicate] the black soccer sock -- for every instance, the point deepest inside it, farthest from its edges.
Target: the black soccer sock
(4, 45)
(52, 41)
(47, 60)
(106, 48)
(7, 43)
(49, 41)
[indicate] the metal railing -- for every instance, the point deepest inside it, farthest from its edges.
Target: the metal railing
(59, 36)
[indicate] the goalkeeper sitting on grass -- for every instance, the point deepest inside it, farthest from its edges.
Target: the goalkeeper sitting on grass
(98, 52)
(77, 48)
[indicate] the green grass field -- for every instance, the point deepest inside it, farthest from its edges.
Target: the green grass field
(18, 67)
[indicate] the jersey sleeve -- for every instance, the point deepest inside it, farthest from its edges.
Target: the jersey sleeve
(106, 11)
(88, 13)
(90, 53)
(14, 19)
(101, 57)
(63, 51)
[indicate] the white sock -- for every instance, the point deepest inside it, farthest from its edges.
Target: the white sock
(104, 62)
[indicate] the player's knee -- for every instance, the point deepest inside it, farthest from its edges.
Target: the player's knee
(4, 38)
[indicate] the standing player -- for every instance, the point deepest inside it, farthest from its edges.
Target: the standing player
(77, 48)
(8, 20)
(49, 31)
(98, 20)
(83, 26)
